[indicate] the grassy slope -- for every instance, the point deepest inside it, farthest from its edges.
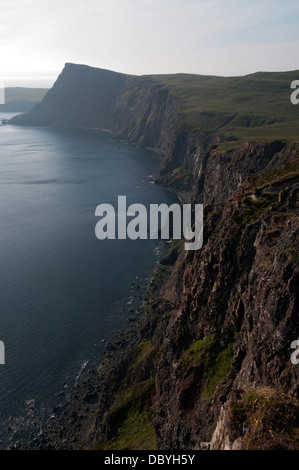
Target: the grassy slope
(253, 107)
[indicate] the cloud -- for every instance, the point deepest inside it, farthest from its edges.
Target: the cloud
(144, 36)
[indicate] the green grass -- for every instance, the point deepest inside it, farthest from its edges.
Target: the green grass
(143, 356)
(218, 371)
(130, 419)
(181, 174)
(253, 107)
(205, 354)
(228, 145)
(271, 420)
(135, 433)
(197, 352)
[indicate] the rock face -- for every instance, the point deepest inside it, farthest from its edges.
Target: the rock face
(131, 107)
(239, 291)
(210, 366)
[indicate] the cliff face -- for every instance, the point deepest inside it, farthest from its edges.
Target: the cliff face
(231, 326)
(214, 175)
(221, 173)
(208, 366)
(150, 113)
(131, 107)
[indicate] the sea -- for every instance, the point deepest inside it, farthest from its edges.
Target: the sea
(63, 292)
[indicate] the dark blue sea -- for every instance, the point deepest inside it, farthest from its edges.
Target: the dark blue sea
(63, 291)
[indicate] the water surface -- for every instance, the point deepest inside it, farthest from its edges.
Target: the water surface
(63, 290)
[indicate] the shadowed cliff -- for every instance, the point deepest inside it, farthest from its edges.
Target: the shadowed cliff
(131, 107)
(193, 120)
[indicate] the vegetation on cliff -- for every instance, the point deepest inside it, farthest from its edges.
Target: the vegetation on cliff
(253, 107)
(265, 419)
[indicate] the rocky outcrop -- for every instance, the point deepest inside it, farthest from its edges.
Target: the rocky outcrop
(131, 107)
(215, 175)
(221, 173)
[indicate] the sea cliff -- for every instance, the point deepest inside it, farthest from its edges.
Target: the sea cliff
(207, 365)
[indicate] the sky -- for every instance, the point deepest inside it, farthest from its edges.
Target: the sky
(210, 37)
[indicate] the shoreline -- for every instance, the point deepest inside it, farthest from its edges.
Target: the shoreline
(116, 344)
(82, 396)
(86, 394)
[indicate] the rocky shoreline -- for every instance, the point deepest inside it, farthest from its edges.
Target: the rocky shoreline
(77, 406)
(71, 425)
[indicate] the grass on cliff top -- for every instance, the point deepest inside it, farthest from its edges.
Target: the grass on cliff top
(253, 107)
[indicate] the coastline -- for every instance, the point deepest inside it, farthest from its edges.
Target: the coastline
(82, 423)
(58, 428)
(190, 360)
(85, 401)
(36, 422)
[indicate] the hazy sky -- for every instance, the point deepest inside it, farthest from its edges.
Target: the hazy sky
(218, 37)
